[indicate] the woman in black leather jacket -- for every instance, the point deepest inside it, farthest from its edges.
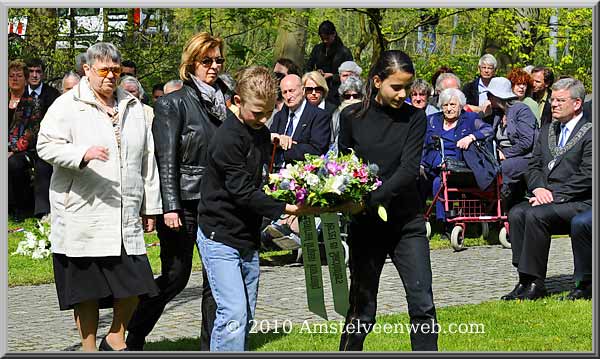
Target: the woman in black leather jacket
(184, 123)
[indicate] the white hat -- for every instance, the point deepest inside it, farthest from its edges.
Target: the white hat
(502, 88)
(350, 66)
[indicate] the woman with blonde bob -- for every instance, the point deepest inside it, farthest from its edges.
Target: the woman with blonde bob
(184, 122)
(316, 90)
(233, 204)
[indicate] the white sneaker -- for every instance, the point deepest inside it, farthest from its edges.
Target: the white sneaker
(290, 242)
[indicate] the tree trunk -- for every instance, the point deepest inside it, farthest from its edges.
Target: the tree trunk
(291, 37)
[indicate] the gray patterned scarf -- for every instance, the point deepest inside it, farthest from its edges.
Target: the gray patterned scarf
(214, 96)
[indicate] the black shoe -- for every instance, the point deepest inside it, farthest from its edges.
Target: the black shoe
(579, 293)
(516, 293)
(534, 291)
(105, 347)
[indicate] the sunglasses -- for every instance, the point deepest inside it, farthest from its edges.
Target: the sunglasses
(103, 72)
(314, 89)
(348, 96)
(207, 61)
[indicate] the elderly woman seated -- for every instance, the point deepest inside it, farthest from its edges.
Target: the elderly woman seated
(515, 128)
(456, 129)
(420, 91)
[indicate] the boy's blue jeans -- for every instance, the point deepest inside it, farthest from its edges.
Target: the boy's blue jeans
(233, 277)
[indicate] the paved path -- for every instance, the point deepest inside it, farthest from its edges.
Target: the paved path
(472, 276)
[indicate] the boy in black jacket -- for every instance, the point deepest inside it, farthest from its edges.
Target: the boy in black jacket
(232, 206)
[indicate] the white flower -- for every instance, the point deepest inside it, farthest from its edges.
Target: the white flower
(312, 179)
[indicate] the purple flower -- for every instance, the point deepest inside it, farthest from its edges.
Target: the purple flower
(300, 195)
(333, 167)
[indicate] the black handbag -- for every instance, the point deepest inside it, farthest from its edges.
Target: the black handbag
(456, 166)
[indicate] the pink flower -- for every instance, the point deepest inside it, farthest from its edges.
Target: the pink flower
(309, 167)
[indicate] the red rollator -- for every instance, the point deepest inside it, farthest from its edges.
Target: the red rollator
(465, 203)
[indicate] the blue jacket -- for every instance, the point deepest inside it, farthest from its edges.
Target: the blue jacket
(468, 123)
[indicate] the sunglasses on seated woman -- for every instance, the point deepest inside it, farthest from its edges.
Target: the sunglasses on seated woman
(314, 89)
(348, 96)
(207, 61)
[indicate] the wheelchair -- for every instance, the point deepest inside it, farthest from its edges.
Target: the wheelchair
(465, 203)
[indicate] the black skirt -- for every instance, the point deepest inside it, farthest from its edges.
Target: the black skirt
(80, 279)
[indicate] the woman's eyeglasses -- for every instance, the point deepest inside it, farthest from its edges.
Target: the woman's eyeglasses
(103, 72)
(348, 96)
(207, 61)
(314, 89)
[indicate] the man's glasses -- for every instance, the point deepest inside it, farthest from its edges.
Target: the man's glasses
(349, 96)
(314, 89)
(207, 61)
(103, 72)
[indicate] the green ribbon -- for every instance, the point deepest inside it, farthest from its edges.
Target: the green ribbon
(312, 266)
(335, 260)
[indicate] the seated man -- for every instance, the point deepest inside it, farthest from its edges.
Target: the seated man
(560, 178)
(299, 128)
(581, 240)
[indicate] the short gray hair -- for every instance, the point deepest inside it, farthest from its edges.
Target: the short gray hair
(102, 51)
(449, 94)
(68, 75)
(575, 87)
(132, 80)
(350, 66)
(177, 83)
(442, 77)
(421, 85)
(352, 83)
(488, 59)
(79, 61)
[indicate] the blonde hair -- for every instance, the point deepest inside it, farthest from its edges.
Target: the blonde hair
(195, 49)
(256, 82)
(18, 65)
(317, 78)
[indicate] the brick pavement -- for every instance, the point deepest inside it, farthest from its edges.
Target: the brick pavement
(472, 276)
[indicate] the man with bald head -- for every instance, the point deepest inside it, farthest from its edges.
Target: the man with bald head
(300, 127)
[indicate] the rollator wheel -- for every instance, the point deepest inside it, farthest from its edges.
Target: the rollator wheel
(456, 239)
(428, 230)
(485, 230)
(503, 238)
(346, 252)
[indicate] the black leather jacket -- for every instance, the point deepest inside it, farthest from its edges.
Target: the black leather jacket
(182, 128)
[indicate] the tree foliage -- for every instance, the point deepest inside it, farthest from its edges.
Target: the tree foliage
(455, 37)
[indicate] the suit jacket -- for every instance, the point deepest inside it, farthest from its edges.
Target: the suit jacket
(587, 110)
(312, 133)
(547, 111)
(471, 91)
(570, 179)
(47, 97)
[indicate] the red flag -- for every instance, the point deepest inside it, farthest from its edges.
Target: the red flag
(136, 16)
(20, 28)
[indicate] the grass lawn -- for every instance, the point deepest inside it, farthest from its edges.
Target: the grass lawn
(26, 271)
(545, 325)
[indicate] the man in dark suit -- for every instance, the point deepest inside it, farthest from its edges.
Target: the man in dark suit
(542, 78)
(46, 95)
(300, 127)
(560, 179)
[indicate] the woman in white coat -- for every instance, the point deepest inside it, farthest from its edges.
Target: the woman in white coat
(104, 179)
